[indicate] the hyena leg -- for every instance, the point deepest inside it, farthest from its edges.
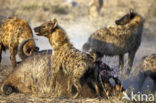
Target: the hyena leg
(53, 80)
(0, 53)
(69, 89)
(13, 52)
(121, 61)
(76, 83)
(98, 93)
(131, 56)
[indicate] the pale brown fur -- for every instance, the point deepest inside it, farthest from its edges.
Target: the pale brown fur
(118, 40)
(34, 76)
(12, 32)
(73, 62)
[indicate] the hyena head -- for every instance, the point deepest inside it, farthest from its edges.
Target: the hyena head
(46, 28)
(126, 18)
(53, 32)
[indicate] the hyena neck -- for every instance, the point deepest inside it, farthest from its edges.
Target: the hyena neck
(63, 42)
(64, 47)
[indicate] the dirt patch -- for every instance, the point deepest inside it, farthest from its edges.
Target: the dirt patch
(74, 19)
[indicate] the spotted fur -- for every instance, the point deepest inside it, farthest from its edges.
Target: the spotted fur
(148, 69)
(118, 40)
(65, 56)
(12, 32)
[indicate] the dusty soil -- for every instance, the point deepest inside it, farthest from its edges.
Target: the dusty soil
(75, 21)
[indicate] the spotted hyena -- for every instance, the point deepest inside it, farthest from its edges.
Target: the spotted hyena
(12, 32)
(65, 56)
(125, 37)
(34, 76)
(148, 66)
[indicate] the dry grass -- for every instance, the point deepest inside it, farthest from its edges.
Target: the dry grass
(21, 98)
(75, 21)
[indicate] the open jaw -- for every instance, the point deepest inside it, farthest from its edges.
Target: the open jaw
(37, 32)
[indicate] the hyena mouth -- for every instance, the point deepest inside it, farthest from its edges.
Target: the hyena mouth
(37, 30)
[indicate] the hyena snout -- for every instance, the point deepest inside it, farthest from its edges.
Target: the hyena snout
(38, 30)
(42, 30)
(126, 19)
(46, 28)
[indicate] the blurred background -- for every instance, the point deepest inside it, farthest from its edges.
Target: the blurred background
(80, 18)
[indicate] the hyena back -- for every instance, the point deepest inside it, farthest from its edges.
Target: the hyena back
(65, 57)
(118, 40)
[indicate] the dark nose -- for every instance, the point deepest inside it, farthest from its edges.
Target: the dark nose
(37, 29)
(36, 49)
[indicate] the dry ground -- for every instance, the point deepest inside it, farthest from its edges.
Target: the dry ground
(75, 21)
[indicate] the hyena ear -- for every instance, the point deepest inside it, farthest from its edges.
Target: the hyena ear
(131, 10)
(55, 23)
(132, 13)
